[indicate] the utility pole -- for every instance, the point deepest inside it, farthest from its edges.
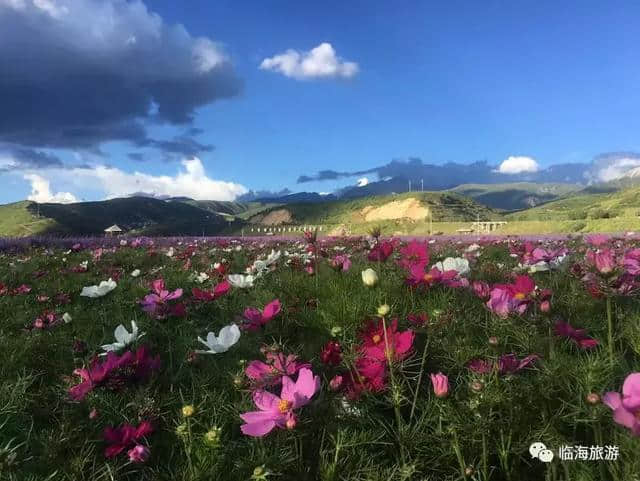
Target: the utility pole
(409, 185)
(421, 185)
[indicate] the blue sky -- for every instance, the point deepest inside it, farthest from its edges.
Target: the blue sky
(443, 81)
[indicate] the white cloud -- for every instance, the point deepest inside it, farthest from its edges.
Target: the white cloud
(617, 168)
(518, 165)
(362, 182)
(41, 191)
(319, 62)
(191, 181)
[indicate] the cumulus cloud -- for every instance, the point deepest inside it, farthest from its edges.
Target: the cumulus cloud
(612, 165)
(41, 191)
(518, 165)
(362, 181)
(76, 73)
(191, 181)
(319, 62)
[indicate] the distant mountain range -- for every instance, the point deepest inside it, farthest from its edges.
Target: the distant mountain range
(149, 215)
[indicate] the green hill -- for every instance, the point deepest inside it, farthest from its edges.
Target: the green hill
(624, 203)
(445, 206)
(515, 196)
(149, 216)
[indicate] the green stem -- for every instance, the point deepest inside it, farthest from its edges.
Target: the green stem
(394, 387)
(415, 396)
(456, 448)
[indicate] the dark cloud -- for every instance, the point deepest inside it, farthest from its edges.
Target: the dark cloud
(184, 146)
(20, 158)
(262, 194)
(137, 156)
(331, 175)
(451, 174)
(76, 73)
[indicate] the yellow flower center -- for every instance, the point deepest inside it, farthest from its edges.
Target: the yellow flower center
(427, 277)
(520, 296)
(376, 338)
(284, 406)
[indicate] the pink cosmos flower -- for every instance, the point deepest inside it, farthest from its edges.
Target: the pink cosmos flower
(97, 374)
(156, 303)
(481, 289)
(604, 260)
(114, 371)
(579, 336)
(381, 251)
(506, 364)
(277, 411)
(507, 298)
(418, 277)
(139, 454)
(220, 290)
(341, 263)
(277, 366)
(440, 384)
(256, 318)
(120, 438)
(631, 262)
(374, 345)
(414, 254)
(626, 408)
(369, 375)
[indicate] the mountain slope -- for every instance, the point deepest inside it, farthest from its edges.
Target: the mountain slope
(445, 206)
(516, 195)
(586, 205)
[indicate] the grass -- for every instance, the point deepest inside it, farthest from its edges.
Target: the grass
(484, 427)
(623, 203)
(17, 220)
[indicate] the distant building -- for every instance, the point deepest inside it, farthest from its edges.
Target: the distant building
(113, 230)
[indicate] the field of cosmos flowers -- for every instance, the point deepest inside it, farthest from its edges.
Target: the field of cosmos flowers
(316, 358)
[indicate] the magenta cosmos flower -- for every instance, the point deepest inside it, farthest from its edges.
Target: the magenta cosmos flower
(579, 336)
(156, 302)
(219, 290)
(271, 372)
(375, 343)
(626, 407)
(256, 318)
(125, 436)
(277, 411)
(507, 298)
(414, 254)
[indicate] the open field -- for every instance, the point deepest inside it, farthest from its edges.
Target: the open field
(425, 370)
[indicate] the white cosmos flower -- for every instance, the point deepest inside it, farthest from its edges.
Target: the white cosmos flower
(123, 338)
(238, 280)
(105, 287)
(227, 337)
(135, 273)
(369, 277)
(202, 277)
(458, 264)
(66, 317)
(170, 252)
